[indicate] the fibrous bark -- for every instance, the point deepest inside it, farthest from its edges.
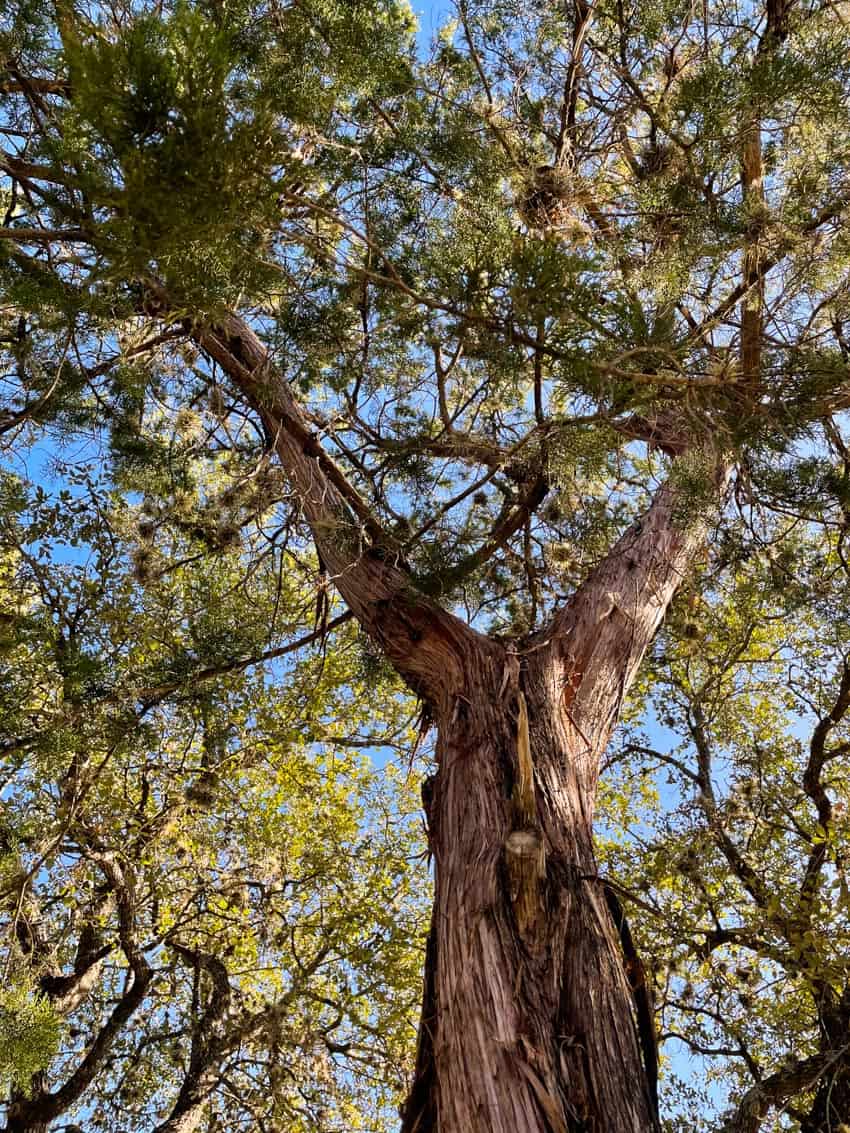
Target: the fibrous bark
(528, 1021)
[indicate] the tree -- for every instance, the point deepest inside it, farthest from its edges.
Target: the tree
(212, 910)
(512, 321)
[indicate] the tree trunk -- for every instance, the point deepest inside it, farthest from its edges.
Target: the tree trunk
(19, 1122)
(830, 1108)
(528, 1023)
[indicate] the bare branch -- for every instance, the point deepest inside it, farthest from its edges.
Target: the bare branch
(424, 642)
(800, 1076)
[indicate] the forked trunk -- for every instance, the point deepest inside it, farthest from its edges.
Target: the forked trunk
(528, 1023)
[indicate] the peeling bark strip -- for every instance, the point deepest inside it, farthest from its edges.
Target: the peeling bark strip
(524, 786)
(641, 993)
(525, 853)
(527, 1021)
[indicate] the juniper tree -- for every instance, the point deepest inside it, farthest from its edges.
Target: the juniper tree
(512, 320)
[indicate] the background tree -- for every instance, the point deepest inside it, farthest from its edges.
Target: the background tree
(743, 893)
(209, 890)
(511, 321)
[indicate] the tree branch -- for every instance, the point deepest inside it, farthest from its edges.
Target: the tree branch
(740, 867)
(25, 235)
(778, 1088)
(602, 634)
(208, 1043)
(814, 788)
(43, 1108)
(156, 693)
(427, 645)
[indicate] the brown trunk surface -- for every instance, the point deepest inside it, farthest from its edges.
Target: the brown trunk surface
(529, 1019)
(830, 1109)
(528, 1024)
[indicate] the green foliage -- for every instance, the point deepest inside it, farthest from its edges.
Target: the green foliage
(161, 106)
(236, 795)
(30, 1033)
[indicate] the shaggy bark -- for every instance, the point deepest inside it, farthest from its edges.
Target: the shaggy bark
(528, 1017)
(528, 1022)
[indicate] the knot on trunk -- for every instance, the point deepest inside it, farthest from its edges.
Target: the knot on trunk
(525, 859)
